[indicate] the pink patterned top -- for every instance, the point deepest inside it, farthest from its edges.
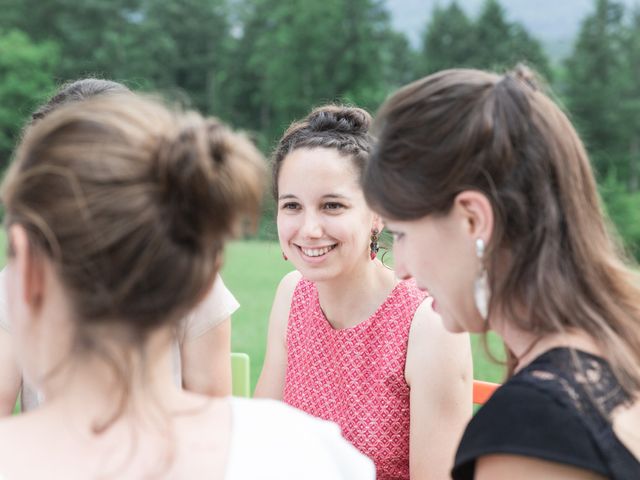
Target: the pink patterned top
(355, 376)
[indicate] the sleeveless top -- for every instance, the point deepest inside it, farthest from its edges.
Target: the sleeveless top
(355, 376)
(556, 409)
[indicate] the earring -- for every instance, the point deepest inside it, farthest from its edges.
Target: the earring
(481, 291)
(373, 246)
(284, 257)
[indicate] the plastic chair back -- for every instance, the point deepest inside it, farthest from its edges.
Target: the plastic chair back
(240, 385)
(482, 391)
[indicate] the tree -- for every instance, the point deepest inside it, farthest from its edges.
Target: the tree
(501, 44)
(186, 45)
(95, 37)
(622, 208)
(26, 80)
(594, 85)
(294, 55)
(630, 100)
(400, 61)
(490, 42)
(604, 98)
(447, 42)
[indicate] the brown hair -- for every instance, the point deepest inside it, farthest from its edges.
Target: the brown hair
(132, 204)
(78, 90)
(343, 128)
(466, 129)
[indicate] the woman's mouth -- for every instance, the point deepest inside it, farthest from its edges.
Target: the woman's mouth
(316, 252)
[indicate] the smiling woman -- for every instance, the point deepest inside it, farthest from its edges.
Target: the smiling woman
(324, 224)
(347, 341)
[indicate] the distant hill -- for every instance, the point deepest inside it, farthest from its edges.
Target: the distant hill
(554, 22)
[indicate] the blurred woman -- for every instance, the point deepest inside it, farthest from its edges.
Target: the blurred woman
(202, 350)
(117, 211)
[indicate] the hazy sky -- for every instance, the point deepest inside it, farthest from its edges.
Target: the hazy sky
(546, 19)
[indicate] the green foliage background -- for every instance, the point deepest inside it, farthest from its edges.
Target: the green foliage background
(259, 64)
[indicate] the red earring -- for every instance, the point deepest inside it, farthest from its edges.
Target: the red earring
(285, 257)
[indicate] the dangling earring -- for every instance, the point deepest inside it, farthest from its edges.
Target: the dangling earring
(284, 257)
(373, 246)
(481, 291)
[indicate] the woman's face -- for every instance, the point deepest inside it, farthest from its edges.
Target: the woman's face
(439, 253)
(324, 224)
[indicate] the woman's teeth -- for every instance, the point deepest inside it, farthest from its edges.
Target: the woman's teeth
(316, 252)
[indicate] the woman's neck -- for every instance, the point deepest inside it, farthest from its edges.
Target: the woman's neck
(93, 388)
(351, 299)
(527, 346)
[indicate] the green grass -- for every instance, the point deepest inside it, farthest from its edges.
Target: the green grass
(252, 271)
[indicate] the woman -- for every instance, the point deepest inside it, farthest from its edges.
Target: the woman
(494, 208)
(117, 211)
(202, 351)
(347, 341)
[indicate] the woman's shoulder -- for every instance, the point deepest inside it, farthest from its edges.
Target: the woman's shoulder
(405, 299)
(22, 438)
(521, 418)
(409, 287)
(290, 282)
(217, 306)
(290, 286)
(283, 442)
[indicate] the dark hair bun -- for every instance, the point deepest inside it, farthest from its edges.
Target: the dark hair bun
(351, 120)
(343, 128)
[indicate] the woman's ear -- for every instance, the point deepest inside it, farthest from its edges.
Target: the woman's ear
(28, 269)
(476, 212)
(378, 224)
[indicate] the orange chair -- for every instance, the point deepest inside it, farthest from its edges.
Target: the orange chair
(482, 391)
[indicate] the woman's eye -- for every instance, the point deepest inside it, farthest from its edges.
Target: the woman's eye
(290, 206)
(333, 206)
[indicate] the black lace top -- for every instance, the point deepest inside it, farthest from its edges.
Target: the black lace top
(554, 409)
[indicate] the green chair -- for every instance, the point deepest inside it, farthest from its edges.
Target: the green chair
(240, 375)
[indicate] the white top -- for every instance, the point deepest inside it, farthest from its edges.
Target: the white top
(218, 305)
(271, 440)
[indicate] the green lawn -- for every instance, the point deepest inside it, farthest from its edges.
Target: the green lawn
(252, 271)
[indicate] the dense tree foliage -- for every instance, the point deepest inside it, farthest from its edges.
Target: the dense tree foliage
(293, 55)
(26, 79)
(259, 64)
(603, 94)
(490, 41)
